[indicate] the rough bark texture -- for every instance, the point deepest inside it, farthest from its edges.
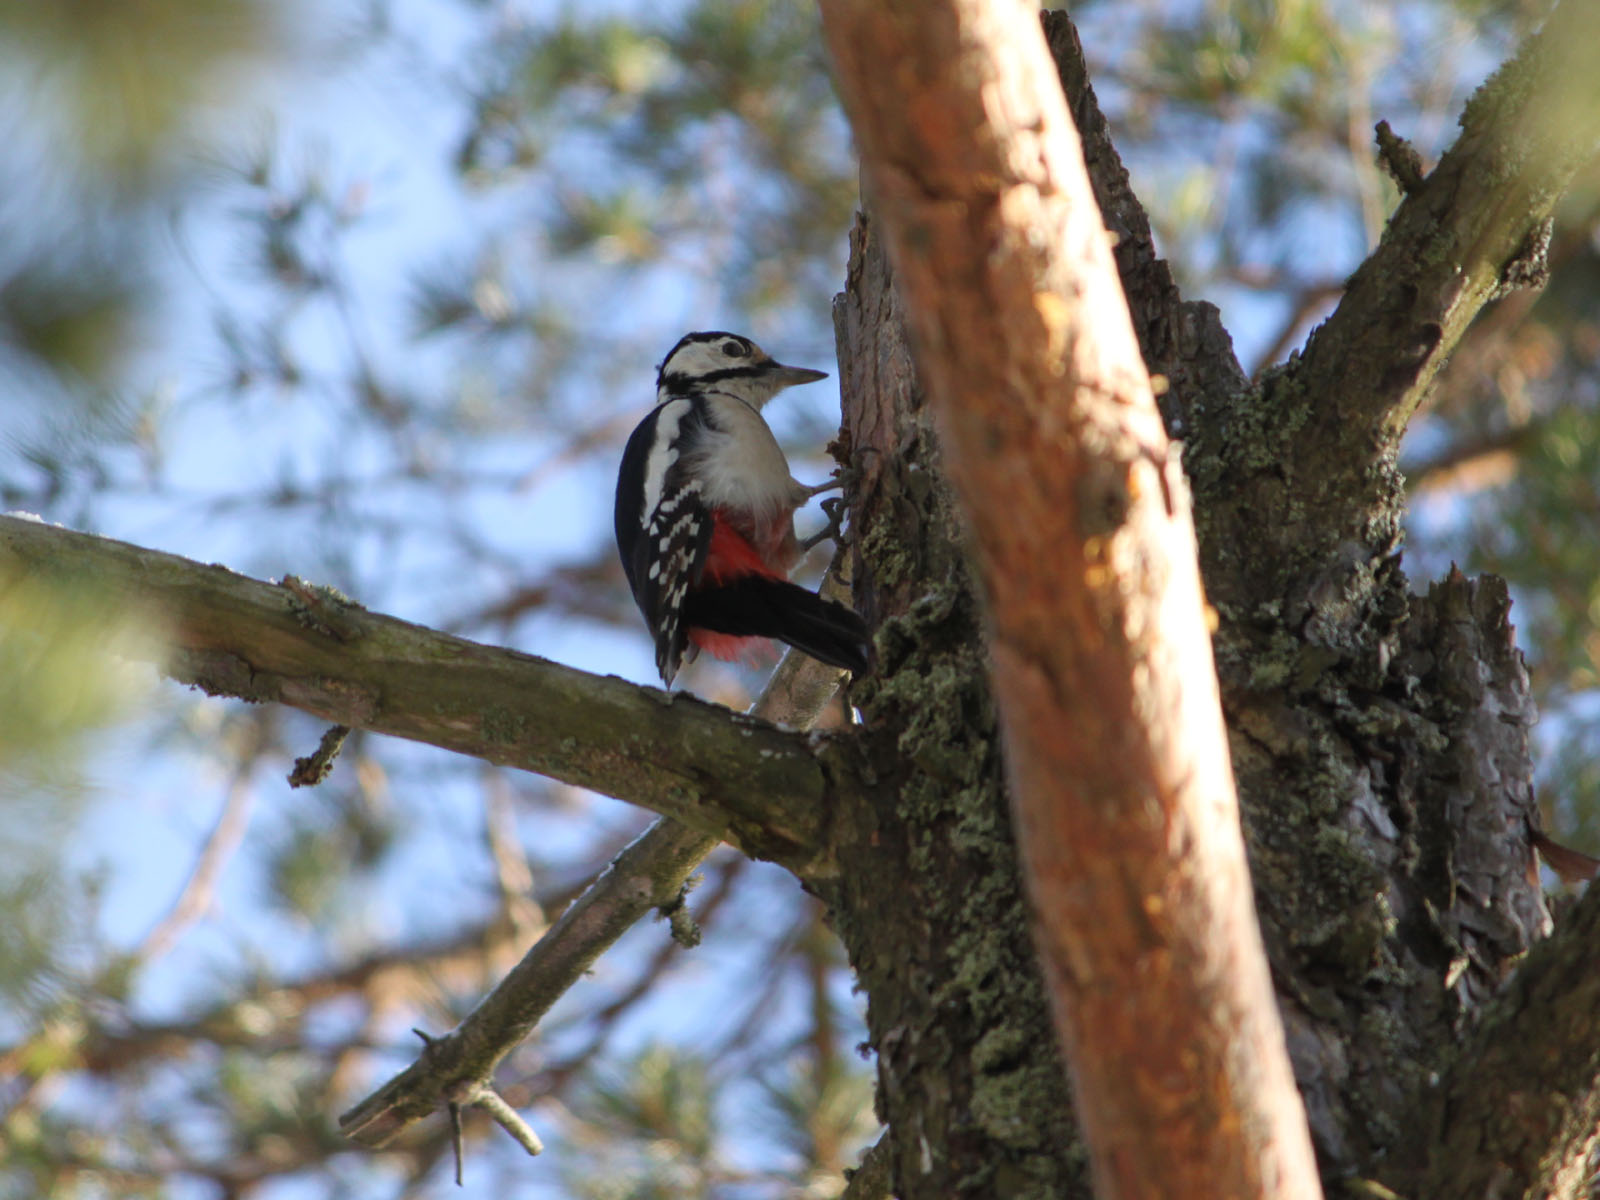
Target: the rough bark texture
(1393, 871)
(1100, 656)
(928, 900)
(1519, 1114)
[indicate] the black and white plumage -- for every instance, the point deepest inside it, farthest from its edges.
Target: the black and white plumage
(705, 514)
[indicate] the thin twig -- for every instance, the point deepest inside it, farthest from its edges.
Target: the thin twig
(455, 1138)
(1400, 158)
(314, 767)
(198, 892)
(508, 1119)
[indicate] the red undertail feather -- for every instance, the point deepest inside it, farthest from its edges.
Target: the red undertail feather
(729, 647)
(731, 556)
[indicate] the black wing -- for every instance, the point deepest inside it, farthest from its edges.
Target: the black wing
(663, 529)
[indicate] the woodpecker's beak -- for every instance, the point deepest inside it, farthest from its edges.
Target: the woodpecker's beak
(781, 376)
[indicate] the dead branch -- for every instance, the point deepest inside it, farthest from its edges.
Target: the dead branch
(648, 875)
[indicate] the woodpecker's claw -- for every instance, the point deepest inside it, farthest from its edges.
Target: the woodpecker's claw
(834, 529)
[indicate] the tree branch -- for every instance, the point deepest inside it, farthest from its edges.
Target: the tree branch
(1100, 656)
(1306, 468)
(765, 789)
(308, 647)
(1182, 341)
(929, 901)
(648, 875)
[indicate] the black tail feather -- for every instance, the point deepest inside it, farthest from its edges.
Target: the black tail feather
(754, 606)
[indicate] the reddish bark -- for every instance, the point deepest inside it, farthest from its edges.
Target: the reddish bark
(1100, 653)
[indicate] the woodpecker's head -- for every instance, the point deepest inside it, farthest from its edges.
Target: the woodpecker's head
(727, 363)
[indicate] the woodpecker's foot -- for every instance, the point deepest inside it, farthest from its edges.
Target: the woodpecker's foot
(834, 529)
(841, 477)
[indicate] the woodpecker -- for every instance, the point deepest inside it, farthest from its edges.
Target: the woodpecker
(705, 515)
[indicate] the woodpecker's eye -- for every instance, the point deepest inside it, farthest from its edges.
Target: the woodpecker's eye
(735, 349)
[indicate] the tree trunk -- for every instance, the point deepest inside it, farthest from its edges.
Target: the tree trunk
(1379, 738)
(1100, 657)
(928, 899)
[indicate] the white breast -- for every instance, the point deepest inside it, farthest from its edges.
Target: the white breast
(741, 464)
